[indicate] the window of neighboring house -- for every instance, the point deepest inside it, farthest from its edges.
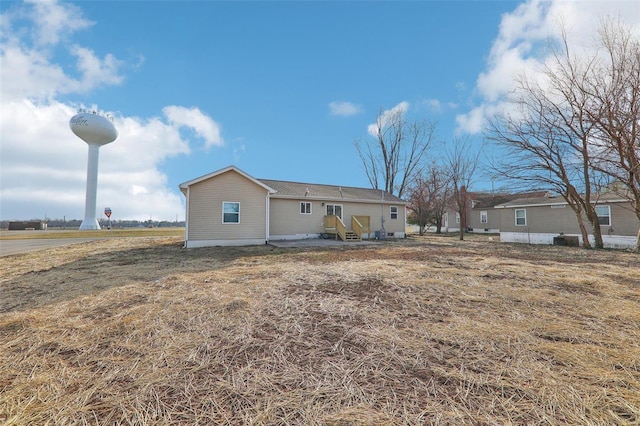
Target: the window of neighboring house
(457, 217)
(484, 218)
(305, 207)
(604, 215)
(521, 217)
(230, 212)
(394, 212)
(334, 209)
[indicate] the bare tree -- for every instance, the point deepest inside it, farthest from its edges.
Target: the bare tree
(533, 154)
(550, 137)
(614, 110)
(428, 197)
(461, 162)
(394, 153)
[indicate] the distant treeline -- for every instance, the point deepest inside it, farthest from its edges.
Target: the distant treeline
(75, 223)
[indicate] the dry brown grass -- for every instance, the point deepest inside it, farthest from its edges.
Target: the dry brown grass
(422, 331)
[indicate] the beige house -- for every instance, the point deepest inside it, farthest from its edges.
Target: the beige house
(230, 207)
(540, 220)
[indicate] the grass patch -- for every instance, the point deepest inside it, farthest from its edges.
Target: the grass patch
(426, 330)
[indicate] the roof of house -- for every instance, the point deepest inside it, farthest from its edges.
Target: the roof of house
(559, 200)
(487, 199)
(298, 190)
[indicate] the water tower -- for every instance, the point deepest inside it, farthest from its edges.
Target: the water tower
(96, 130)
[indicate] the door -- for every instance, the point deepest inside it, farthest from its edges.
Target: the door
(334, 209)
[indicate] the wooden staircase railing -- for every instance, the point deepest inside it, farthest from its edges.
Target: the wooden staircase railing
(359, 226)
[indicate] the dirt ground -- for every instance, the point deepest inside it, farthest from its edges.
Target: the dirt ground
(426, 330)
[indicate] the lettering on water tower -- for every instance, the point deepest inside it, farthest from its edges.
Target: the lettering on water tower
(79, 121)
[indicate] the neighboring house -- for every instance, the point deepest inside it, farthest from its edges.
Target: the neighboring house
(230, 207)
(481, 214)
(540, 220)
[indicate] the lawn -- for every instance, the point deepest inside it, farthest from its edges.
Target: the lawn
(426, 330)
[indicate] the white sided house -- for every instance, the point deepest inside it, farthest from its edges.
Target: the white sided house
(231, 208)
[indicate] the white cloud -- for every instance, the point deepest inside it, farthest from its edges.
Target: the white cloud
(386, 115)
(523, 41)
(437, 106)
(95, 71)
(42, 163)
(344, 109)
(29, 68)
(55, 21)
(200, 123)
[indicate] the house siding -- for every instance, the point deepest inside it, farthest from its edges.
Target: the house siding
(623, 220)
(286, 222)
(544, 223)
(474, 220)
(544, 219)
(205, 210)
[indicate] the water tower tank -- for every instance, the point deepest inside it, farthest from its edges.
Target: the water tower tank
(93, 128)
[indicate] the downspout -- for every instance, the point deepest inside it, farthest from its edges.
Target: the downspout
(266, 231)
(186, 219)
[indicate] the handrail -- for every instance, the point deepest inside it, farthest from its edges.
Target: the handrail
(360, 225)
(342, 230)
(356, 226)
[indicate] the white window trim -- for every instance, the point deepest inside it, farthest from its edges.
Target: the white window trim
(391, 212)
(608, 215)
(484, 216)
(516, 217)
(230, 202)
(305, 203)
(457, 217)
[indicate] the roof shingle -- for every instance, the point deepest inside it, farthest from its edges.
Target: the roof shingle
(287, 189)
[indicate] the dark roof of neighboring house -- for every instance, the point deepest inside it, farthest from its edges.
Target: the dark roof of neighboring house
(608, 197)
(301, 190)
(487, 200)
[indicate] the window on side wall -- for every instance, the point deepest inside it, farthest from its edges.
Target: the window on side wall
(394, 212)
(484, 217)
(230, 212)
(305, 207)
(457, 217)
(521, 217)
(604, 215)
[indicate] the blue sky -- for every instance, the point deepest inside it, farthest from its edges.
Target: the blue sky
(280, 89)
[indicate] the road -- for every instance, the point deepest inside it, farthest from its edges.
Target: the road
(8, 247)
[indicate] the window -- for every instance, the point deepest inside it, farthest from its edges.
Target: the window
(334, 209)
(457, 217)
(305, 207)
(484, 218)
(521, 217)
(230, 212)
(394, 212)
(604, 215)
